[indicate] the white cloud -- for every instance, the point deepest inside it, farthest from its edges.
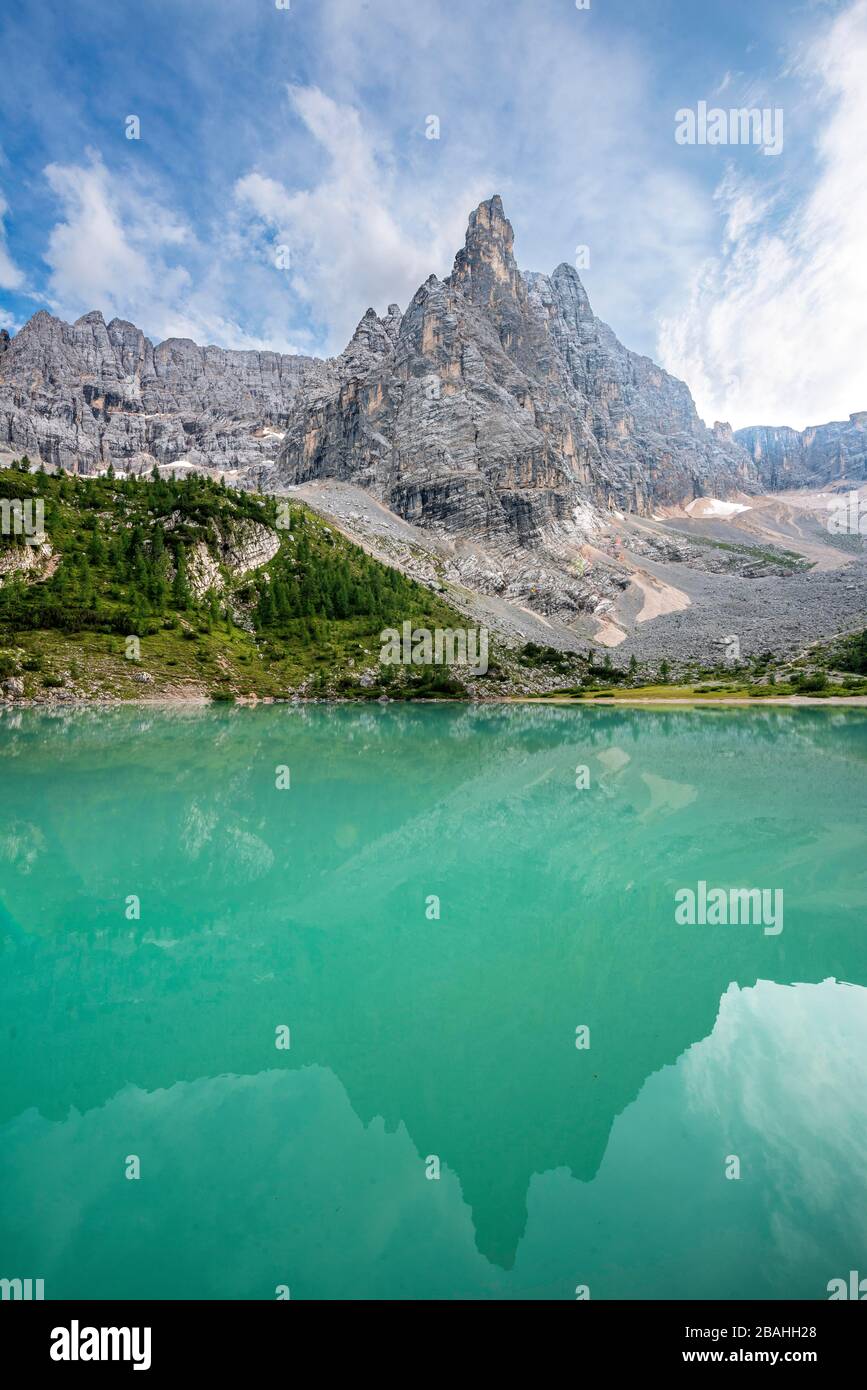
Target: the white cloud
(564, 121)
(106, 252)
(355, 239)
(11, 278)
(117, 249)
(774, 331)
(344, 176)
(361, 236)
(368, 208)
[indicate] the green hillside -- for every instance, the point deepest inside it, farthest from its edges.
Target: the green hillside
(157, 559)
(148, 587)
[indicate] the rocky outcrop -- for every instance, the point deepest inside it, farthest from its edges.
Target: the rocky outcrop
(499, 402)
(245, 546)
(498, 406)
(25, 561)
(248, 546)
(203, 571)
(87, 394)
(822, 454)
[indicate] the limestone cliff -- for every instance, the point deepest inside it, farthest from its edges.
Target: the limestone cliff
(498, 402)
(822, 454)
(498, 406)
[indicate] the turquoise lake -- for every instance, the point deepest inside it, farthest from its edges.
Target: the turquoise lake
(423, 1033)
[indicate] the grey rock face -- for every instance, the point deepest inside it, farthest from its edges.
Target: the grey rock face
(85, 394)
(244, 547)
(497, 406)
(248, 546)
(787, 458)
(29, 561)
(239, 548)
(499, 402)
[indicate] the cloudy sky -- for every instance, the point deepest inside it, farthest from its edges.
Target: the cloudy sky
(283, 179)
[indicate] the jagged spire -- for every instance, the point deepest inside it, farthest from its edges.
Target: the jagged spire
(485, 266)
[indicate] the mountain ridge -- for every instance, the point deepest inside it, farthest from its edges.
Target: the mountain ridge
(502, 402)
(551, 409)
(573, 414)
(819, 454)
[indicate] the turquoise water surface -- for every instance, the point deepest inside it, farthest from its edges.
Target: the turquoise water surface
(432, 907)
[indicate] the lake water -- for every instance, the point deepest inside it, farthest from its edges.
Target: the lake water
(429, 1033)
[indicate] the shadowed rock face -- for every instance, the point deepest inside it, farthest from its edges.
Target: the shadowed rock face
(821, 454)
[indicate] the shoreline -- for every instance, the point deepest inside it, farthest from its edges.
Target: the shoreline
(755, 701)
(654, 701)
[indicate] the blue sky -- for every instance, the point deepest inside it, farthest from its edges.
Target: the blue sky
(305, 129)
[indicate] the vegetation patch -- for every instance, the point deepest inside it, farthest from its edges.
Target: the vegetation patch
(141, 586)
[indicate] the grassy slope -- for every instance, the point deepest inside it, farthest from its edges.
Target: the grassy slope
(117, 546)
(70, 626)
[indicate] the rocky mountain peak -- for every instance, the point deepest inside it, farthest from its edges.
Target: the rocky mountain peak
(499, 404)
(571, 292)
(485, 268)
(371, 336)
(392, 322)
(40, 321)
(495, 406)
